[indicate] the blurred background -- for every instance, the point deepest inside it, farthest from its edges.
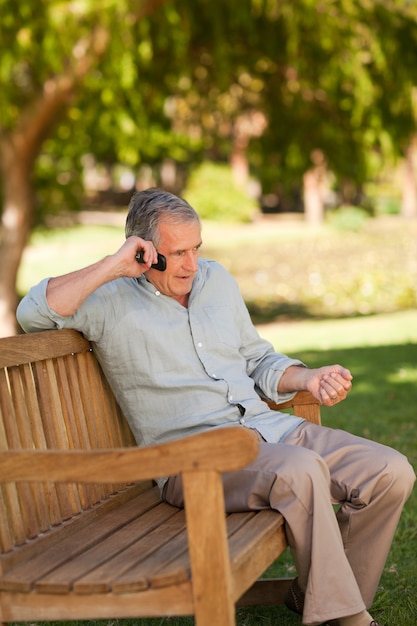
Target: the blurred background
(289, 125)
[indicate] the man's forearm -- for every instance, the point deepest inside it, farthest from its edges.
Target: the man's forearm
(66, 293)
(329, 384)
(293, 379)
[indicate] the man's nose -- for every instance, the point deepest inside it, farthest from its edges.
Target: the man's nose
(191, 261)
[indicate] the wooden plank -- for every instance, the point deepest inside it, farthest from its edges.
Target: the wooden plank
(6, 536)
(56, 437)
(75, 427)
(96, 417)
(304, 404)
(175, 565)
(225, 449)
(46, 541)
(129, 569)
(121, 435)
(13, 531)
(23, 439)
(255, 548)
(118, 430)
(209, 555)
(43, 499)
(167, 565)
(91, 559)
(21, 607)
(78, 419)
(40, 346)
(24, 576)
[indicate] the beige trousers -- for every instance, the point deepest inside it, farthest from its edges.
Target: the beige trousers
(339, 558)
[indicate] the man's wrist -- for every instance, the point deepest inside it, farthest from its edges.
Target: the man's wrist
(293, 379)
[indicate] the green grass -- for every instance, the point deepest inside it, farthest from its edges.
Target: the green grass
(380, 349)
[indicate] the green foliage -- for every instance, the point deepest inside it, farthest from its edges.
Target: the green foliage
(212, 192)
(175, 79)
(349, 218)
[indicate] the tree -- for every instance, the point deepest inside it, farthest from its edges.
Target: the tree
(50, 51)
(136, 81)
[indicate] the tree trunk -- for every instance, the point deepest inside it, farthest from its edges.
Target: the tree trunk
(248, 125)
(314, 181)
(18, 205)
(19, 149)
(409, 195)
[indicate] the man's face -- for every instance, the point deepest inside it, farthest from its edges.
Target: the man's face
(180, 244)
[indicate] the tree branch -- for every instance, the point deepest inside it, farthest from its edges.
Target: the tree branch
(39, 117)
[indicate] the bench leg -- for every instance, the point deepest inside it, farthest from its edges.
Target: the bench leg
(209, 553)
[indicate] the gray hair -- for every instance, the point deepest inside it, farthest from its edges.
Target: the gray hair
(147, 208)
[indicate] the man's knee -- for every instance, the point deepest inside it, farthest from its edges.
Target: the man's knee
(305, 477)
(402, 474)
(279, 474)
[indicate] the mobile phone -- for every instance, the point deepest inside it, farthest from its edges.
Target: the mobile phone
(161, 265)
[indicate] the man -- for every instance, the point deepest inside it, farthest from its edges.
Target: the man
(182, 356)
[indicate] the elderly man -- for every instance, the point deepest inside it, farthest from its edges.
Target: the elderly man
(177, 345)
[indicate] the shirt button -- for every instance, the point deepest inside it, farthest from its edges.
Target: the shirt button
(157, 293)
(242, 421)
(199, 344)
(230, 398)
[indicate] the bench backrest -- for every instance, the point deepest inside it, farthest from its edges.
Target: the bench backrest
(52, 395)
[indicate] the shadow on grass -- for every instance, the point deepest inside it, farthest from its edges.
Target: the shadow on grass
(263, 311)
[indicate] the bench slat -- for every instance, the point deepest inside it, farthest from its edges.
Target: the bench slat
(254, 548)
(32, 433)
(123, 536)
(13, 526)
(56, 434)
(166, 571)
(25, 576)
(104, 578)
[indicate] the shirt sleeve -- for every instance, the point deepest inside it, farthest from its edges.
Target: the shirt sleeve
(264, 364)
(34, 313)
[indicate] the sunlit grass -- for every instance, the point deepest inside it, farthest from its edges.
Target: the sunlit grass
(373, 330)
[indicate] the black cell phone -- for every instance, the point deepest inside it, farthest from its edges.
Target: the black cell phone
(161, 265)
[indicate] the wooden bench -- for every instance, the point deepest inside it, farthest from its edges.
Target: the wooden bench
(83, 531)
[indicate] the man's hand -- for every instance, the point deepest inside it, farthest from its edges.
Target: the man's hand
(124, 259)
(329, 384)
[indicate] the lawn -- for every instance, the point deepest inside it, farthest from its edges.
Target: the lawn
(326, 297)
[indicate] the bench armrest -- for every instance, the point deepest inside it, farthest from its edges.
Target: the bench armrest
(303, 403)
(220, 450)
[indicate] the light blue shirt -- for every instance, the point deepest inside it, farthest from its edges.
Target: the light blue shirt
(176, 370)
